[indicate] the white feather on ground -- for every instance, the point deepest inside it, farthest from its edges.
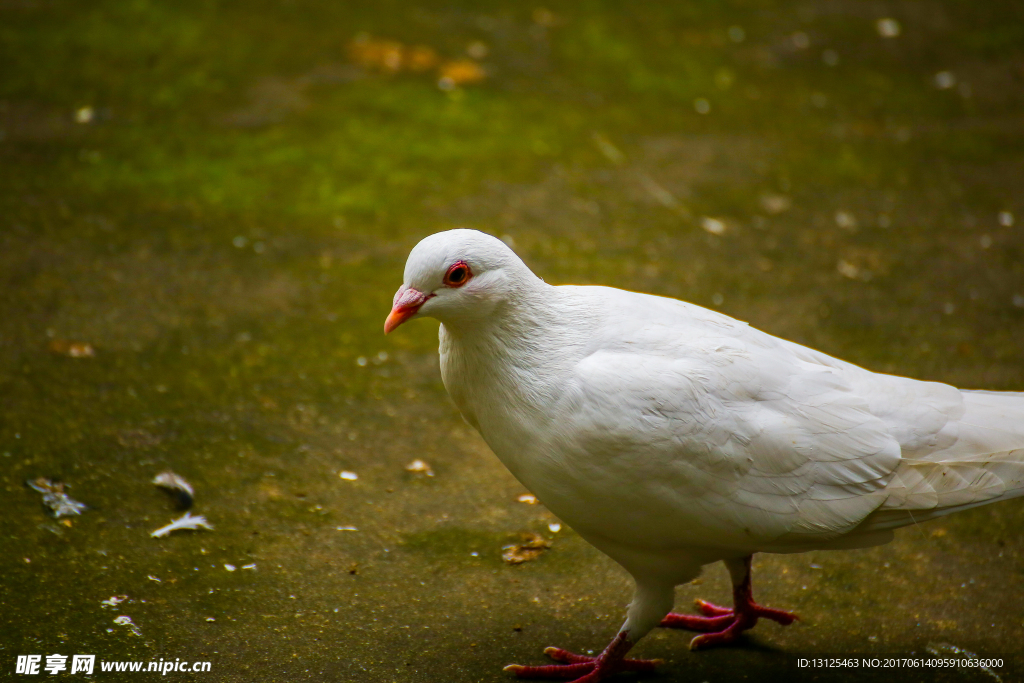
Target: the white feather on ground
(187, 521)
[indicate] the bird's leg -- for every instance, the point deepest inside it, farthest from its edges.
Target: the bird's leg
(721, 624)
(649, 604)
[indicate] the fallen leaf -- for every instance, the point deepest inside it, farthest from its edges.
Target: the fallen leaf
(529, 549)
(381, 55)
(72, 349)
(461, 72)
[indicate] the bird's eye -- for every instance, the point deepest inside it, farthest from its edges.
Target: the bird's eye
(457, 274)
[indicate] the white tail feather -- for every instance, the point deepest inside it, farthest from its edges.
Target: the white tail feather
(983, 464)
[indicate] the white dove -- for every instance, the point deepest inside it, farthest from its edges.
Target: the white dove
(670, 436)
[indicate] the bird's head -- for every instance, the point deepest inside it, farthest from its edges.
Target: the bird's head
(457, 275)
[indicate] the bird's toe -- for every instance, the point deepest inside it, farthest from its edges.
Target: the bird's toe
(581, 668)
(712, 610)
(690, 622)
(777, 615)
(577, 671)
(560, 655)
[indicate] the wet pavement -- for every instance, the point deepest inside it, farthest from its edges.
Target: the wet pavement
(206, 210)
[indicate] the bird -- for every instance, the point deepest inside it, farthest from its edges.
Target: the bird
(671, 437)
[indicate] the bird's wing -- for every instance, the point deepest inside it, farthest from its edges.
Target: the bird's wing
(721, 426)
(732, 439)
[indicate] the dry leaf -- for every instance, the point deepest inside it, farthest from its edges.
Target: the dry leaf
(530, 548)
(462, 72)
(72, 349)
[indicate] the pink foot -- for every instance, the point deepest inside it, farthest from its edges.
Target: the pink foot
(584, 669)
(721, 625)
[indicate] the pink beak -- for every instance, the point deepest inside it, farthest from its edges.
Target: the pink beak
(407, 304)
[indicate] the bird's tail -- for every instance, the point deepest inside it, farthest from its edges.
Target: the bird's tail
(980, 462)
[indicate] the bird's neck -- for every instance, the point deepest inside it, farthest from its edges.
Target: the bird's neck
(516, 360)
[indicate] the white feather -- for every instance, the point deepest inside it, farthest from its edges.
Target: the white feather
(186, 521)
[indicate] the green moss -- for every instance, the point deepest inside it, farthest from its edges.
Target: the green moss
(228, 231)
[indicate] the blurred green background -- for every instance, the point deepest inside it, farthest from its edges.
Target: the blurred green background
(205, 209)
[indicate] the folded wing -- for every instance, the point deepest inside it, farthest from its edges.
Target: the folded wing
(748, 441)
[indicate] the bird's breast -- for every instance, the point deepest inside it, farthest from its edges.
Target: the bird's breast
(508, 402)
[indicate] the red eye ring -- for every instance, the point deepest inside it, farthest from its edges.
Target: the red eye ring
(458, 274)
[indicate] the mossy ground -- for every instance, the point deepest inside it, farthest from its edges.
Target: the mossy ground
(229, 226)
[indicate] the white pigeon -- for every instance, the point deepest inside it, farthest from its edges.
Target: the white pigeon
(671, 436)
